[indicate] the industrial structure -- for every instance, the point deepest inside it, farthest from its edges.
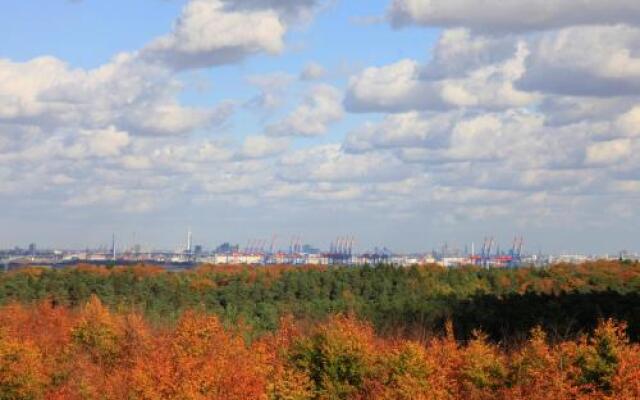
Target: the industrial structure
(490, 254)
(261, 251)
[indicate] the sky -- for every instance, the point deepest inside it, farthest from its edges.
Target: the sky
(403, 123)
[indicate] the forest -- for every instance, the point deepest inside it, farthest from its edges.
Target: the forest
(506, 304)
(376, 332)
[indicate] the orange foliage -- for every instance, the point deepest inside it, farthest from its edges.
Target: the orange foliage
(94, 269)
(31, 270)
(199, 360)
(93, 353)
(22, 371)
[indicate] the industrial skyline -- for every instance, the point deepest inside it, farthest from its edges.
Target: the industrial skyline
(476, 250)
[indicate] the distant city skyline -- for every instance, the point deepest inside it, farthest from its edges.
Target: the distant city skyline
(404, 123)
(133, 240)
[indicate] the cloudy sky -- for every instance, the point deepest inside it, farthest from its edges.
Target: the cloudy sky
(405, 123)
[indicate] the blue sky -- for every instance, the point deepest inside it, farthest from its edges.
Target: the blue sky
(405, 123)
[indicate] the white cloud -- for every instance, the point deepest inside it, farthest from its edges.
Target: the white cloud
(449, 81)
(613, 151)
(104, 195)
(262, 147)
(329, 163)
(396, 87)
(62, 179)
(627, 186)
(501, 16)
(129, 201)
(511, 150)
(124, 93)
(321, 107)
(629, 122)
(210, 151)
(173, 119)
(491, 86)
(564, 110)
(312, 72)
(401, 130)
(135, 162)
(290, 10)
(21, 85)
(208, 33)
(493, 136)
(458, 52)
(585, 61)
(101, 143)
(273, 88)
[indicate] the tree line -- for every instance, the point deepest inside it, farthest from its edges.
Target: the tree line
(414, 302)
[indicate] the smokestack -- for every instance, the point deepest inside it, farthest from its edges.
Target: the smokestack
(113, 246)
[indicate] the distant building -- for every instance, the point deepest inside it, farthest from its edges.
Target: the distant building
(570, 259)
(454, 261)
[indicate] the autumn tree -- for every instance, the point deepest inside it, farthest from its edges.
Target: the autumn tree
(337, 357)
(598, 361)
(483, 370)
(22, 373)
